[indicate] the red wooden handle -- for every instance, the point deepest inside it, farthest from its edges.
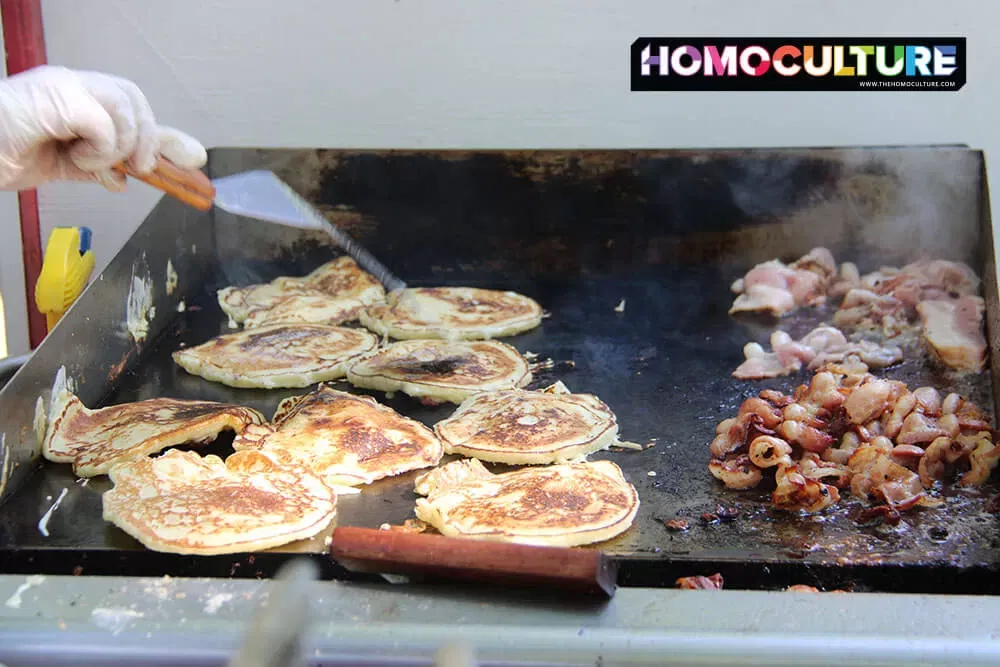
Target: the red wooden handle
(584, 571)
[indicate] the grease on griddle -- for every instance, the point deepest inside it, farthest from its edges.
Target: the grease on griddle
(993, 504)
(889, 515)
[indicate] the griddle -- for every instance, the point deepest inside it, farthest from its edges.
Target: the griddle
(580, 231)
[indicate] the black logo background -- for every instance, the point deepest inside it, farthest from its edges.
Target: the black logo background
(771, 80)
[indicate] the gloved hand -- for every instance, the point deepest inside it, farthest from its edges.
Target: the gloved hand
(62, 124)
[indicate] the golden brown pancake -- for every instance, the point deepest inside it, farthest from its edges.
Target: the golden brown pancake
(95, 440)
(341, 281)
(238, 302)
(439, 370)
(521, 427)
(304, 309)
(453, 313)
(561, 505)
(183, 503)
(344, 439)
(280, 355)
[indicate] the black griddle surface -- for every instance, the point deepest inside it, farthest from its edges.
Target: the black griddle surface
(663, 365)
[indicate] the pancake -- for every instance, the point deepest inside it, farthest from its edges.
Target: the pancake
(340, 280)
(185, 504)
(342, 438)
(454, 313)
(238, 302)
(561, 505)
(280, 355)
(314, 308)
(520, 427)
(94, 440)
(441, 371)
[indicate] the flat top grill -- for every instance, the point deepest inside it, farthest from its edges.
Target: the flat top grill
(665, 233)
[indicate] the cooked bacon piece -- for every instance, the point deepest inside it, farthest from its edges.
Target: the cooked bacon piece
(700, 583)
(736, 473)
(802, 588)
(778, 289)
(794, 491)
(953, 329)
(820, 346)
(851, 430)
(892, 299)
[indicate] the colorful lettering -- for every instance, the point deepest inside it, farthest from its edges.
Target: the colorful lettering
(763, 60)
(678, 65)
(810, 64)
(724, 63)
(917, 59)
(838, 63)
(861, 54)
(944, 60)
(779, 60)
(883, 66)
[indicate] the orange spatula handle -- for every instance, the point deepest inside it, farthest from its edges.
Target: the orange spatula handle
(188, 185)
(580, 571)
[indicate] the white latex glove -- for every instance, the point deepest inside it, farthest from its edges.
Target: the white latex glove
(62, 124)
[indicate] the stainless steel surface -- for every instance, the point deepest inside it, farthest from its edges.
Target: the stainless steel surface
(102, 621)
(92, 340)
(579, 230)
(278, 628)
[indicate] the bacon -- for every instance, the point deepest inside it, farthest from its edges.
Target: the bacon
(822, 345)
(776, 288)
(953, 329)
(885, 443)
(700, 583)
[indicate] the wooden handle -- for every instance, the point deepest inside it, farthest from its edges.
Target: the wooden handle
(188, 185)
(583, 571)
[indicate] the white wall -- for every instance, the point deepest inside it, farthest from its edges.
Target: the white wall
(503, 73)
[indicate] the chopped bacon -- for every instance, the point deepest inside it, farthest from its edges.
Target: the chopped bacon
(777, 288)
(803, 588)
(938, 296)
(822, 345)
(700, 583)
(942, 294)
(854, 431)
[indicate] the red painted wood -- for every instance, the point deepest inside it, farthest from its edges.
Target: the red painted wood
(583, 571)
(24, 41)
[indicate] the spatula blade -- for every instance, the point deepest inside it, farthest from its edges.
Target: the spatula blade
(262, 195)
(259, 194)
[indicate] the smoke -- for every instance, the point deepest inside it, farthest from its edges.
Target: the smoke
(932, 208)
(875, 206)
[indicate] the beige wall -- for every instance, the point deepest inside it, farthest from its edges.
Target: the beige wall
(504, 73)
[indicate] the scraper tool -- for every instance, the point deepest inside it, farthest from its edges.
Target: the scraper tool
(258, 194)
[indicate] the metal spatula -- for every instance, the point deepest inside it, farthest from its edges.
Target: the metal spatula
(261, 195)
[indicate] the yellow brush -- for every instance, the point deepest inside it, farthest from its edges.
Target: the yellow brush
(65, 272)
